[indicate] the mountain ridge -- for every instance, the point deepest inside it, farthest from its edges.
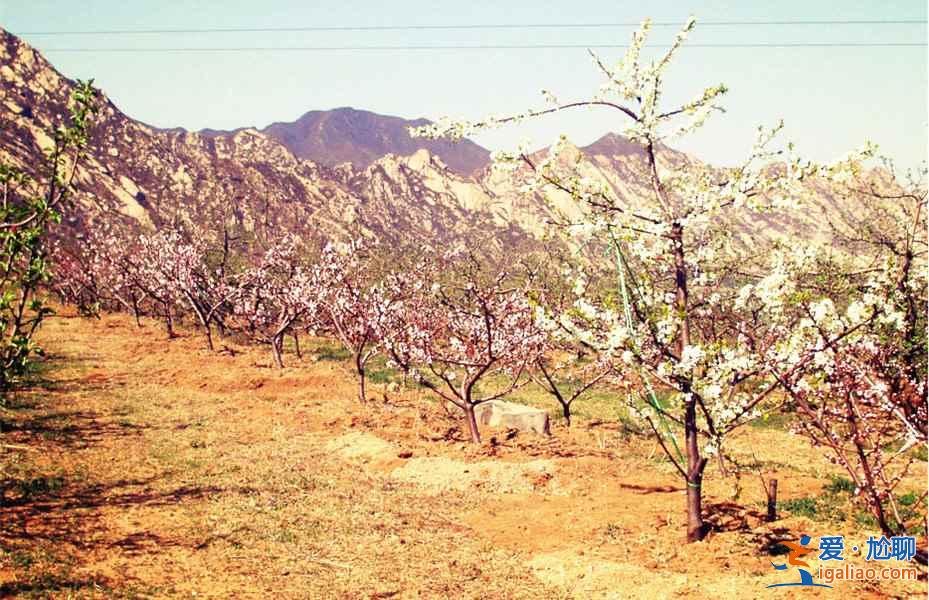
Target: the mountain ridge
(465, 157)
(167, 177)
(157, 177)
(358, 136)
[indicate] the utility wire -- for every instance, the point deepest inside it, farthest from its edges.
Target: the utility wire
(485, 47)
(474, 26)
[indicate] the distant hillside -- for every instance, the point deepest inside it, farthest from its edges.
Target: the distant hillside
(157, 176)
(293, 176)
(330, 137)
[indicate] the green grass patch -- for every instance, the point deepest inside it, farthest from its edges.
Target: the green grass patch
(777, 420)
(832, 505)
(380, 377)
(837, 504)
(908, 499)
(910, 513)
(839, 484)
(337, 353)
(40, 486)
(803, 507)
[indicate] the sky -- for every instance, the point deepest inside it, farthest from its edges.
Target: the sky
(831, 99)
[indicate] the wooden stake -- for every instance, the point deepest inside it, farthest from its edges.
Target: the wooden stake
(771, 492)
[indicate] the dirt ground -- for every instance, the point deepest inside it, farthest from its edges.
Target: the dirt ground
(137, 466)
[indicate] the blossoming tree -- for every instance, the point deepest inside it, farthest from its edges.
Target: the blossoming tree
(677, 260)
(454, 335)
(76, 282)
(565, 370)
(178, 266)
(351, 304)
(566, 378)
(112, 258)
(864, 399)
(274, 296)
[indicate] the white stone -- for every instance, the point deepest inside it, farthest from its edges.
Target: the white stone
(499, 413)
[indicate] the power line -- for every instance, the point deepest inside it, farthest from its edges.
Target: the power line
(473, 26)
(484, 47)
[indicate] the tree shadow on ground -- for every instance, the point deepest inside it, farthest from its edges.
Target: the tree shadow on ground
(731, 516)
(40, 375)
(54, 527)
(69, 429)
(53, 518)
(72, 514)
(47, 584)
(726, 517)
(651, 489)
(39, 386)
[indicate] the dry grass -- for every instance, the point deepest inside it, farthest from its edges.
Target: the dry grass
(137, 466)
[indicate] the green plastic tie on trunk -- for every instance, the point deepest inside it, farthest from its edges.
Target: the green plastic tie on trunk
(621, 267)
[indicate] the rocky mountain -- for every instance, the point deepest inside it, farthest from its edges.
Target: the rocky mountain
(328, 173)
(331, 137)
(158, 176)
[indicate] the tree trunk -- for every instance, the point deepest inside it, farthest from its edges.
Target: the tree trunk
(696, 528)
(874, 498)
(206, 329)
(771, 493)
(209, 336)
(135, 312)
(359, 368)
(552, 388)
(276, 343)
(204, 321)
(169, 322)
(297, 344)
(467, 386)
(471, 420)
